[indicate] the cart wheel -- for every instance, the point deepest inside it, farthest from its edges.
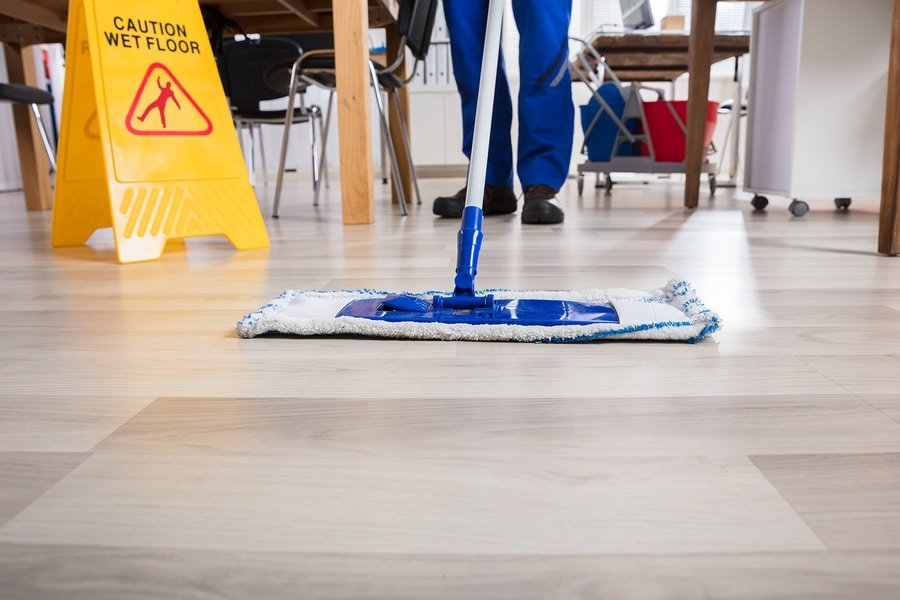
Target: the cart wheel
(580, 183)
(798, 208)
(759, 202)
(842, 204)
(608, 183)
(712, 184)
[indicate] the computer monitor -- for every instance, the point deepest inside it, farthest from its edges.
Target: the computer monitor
(636, 14)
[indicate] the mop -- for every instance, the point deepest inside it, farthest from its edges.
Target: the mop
(673, 312)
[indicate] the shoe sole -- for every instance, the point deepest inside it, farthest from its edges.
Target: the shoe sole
(544, 217)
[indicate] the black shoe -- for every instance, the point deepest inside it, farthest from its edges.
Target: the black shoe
(497, 201)
(541, 206)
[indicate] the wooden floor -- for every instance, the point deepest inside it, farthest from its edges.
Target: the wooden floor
(147, 452)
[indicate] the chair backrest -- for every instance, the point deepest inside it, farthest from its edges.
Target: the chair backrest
(318, 70)
(316, 40)
(415, 20)
(246, 68)
(24, 94)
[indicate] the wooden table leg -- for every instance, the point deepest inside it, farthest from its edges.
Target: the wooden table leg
(393, 47)
(351, 18)
(32, 157)
(889, 226)
(703, 25)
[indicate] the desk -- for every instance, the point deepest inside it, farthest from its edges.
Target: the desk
(25, 22)
(703, 19)
(659, 56)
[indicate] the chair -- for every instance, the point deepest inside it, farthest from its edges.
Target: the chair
(252, 72)
(415, 22)
(24, 94)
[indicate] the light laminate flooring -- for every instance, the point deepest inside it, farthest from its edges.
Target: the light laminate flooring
(147, 452)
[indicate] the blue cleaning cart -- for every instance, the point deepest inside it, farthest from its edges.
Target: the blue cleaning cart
(617, 135)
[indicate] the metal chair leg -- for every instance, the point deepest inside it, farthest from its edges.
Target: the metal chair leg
(320, 158)
(285, 135)
(406, 145)
(384, 177)
(314, 116)
(51, 155)
(395, 171)
(239, 132)
(251, 160)
(262, 153)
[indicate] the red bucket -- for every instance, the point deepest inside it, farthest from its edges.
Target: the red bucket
(665, 132)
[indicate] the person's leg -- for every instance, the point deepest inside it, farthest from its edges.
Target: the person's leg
(546, 110)
(147, 110)
(466, 23)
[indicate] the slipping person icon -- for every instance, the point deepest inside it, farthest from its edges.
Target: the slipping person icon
(165, 94)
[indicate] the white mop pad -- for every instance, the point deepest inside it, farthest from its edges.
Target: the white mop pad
(672, 313)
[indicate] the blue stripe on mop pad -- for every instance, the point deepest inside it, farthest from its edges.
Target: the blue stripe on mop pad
(671, 313)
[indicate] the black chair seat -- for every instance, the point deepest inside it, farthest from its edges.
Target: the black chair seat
(320, 69)
(273, 116)
(322, 78)
(389, 81)
(278, 77)
(319, 62)
(24, 94)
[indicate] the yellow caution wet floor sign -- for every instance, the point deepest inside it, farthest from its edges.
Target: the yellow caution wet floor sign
(148, 146)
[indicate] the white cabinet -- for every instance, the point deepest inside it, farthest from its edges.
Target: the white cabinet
(817, 97)
(436, 130)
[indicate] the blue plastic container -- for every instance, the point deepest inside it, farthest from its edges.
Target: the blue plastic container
(603, 136)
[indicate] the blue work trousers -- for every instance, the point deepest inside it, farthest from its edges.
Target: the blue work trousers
(546, 112)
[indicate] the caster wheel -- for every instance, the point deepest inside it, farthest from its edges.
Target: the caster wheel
(712, 184)
(759, 202)
(580, 183)
(842, 204)
(798, 208)
(608, 183)
(384, 181)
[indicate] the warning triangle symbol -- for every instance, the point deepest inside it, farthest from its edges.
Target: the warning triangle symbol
(162, 106)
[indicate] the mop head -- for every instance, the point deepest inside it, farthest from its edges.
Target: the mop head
(672, 313)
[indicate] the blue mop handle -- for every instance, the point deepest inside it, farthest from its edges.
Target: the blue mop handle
(470, 235)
